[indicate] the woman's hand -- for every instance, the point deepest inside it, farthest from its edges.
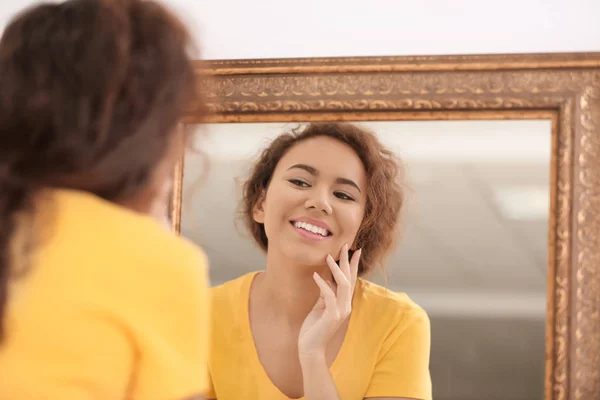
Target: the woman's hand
(332, 308)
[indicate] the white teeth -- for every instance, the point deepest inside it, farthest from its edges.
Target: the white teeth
(311, 228)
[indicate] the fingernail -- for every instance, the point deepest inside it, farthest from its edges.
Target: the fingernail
(329, 257)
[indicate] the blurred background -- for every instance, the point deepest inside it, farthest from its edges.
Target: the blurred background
(474, 244)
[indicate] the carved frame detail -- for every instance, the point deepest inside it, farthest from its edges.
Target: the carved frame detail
(562, 87)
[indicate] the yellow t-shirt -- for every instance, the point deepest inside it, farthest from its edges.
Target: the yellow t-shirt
(112, 306)
(385, 352)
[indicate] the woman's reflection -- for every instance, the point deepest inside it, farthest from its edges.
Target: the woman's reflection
(306, 325)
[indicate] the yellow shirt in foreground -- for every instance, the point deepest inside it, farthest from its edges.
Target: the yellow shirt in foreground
(112, 306)
(385, 352)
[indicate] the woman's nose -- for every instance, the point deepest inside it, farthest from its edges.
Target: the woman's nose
(318, 199)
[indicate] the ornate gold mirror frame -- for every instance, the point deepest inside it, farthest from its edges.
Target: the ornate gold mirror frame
(564, 88)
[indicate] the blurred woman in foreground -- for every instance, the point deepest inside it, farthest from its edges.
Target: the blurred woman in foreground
(94, 292)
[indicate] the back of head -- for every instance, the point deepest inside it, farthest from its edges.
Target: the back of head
(90, 94)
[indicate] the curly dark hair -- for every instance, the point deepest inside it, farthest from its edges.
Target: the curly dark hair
(91, 92)
(385, 195)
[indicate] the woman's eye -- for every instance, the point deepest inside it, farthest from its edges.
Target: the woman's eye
(343, 196)
(298, 182)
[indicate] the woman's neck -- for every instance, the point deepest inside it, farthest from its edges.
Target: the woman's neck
(288, 292)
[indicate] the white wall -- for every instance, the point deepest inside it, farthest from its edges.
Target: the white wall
(324, 28)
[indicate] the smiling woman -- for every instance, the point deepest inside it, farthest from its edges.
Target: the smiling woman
(458, 257)
(324, 203)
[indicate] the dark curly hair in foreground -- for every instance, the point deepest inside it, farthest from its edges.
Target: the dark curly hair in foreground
(91, 92)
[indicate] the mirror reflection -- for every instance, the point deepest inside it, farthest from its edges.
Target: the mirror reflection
(472, 250)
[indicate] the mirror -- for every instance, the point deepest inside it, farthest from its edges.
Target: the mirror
(474, 246)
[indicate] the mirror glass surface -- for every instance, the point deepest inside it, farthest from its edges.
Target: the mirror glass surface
(474, 246)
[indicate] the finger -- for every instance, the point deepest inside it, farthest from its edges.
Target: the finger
(344, 264)
(344, 288)
(337, 273)
(354, 266)
(320, 304)
(327, 293)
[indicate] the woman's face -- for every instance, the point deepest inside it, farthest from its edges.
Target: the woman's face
(315, 202)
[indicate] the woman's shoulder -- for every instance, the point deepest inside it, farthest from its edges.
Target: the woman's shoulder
(396, 308)
(106, 234)
(229, 301)
(68, 210)
(232, 291)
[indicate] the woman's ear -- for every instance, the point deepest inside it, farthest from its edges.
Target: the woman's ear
(258, 211)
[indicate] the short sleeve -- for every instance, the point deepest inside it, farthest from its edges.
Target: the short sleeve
(402, 368)
(169, 319)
